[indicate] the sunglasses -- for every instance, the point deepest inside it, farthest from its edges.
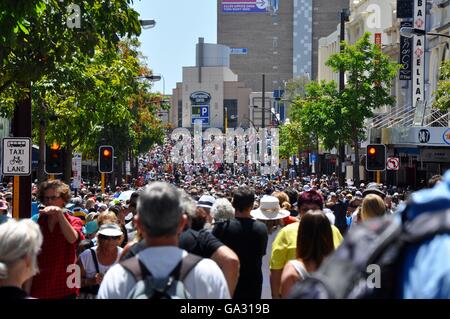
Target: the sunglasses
(103, 237)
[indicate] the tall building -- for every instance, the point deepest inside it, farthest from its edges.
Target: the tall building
(275, 38)
(210, 92)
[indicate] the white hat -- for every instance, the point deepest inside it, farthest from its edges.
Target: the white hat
(110, 230)
(269, 209)
(206, 201)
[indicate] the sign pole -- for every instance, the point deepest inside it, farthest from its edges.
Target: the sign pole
(16, 197)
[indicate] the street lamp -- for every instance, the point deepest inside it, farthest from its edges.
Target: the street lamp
(409, 32)
(147, 24)
(155, 78)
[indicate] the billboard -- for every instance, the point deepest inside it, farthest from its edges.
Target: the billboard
(245, 6)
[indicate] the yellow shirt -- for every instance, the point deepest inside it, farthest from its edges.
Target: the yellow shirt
(284, 247)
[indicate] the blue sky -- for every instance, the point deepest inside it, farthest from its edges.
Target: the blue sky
(170, 45)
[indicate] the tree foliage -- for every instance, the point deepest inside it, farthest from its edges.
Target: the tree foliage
(34, 35)
(319, 113)
(99, 100)
(329, 116)
(296, 88)
(442, 100)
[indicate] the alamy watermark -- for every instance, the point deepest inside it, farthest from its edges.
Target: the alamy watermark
(236, 146)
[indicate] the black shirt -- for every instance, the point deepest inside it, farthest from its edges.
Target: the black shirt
(248, 239)
(202, 243)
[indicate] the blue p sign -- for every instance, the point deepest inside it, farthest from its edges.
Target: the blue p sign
(204, 111)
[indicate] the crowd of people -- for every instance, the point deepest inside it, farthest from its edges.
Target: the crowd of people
(256, 236)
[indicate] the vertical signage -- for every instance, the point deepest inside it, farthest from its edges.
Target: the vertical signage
(76, 170)
(405, 54)
(419, 52)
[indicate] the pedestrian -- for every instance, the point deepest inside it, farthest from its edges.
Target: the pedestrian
(372, 206)
(20, 243)
(160, 220)
(62, 234)
(95, 262)
(314, 243)
(248, 239)
(222, 210)
(285, 243)
(272, 215)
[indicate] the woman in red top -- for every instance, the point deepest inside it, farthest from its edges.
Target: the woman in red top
(62, 233)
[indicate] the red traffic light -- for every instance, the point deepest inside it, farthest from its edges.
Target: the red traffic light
(106, 153)
(55, 146)
(372, 151)
(106, 159)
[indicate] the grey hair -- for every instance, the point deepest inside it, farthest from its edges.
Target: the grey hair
(222, 209)
(188, 204)
(17, 240)
(159, 209)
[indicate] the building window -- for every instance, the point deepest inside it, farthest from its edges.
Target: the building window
(231, 112)
(180, 113)
(275, 42)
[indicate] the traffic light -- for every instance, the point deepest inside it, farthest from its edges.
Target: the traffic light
(54, 161)
(105, 159)
(376, 157)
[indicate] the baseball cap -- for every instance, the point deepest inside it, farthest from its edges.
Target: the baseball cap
(206, 201)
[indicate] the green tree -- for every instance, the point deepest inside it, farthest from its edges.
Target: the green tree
(296, 88)
(92, 102)
(442, 100)
(293, 139)
(369, 75)
(34, 35)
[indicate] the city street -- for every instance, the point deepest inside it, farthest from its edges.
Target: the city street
(256, 149)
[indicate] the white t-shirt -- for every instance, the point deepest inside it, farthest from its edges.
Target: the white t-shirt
(89, 265)
(204, 281)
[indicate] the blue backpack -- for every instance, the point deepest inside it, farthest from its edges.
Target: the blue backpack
(370, 262)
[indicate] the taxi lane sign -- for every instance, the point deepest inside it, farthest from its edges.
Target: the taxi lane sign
(16, 156)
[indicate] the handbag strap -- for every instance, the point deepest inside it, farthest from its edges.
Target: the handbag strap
(94, 257)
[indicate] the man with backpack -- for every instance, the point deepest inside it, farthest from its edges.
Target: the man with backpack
(163, 270)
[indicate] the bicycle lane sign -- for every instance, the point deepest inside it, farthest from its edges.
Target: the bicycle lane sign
(16, 156)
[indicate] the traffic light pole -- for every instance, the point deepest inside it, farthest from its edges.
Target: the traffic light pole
(378, 177)
(103, 183)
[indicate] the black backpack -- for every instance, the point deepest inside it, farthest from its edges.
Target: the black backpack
(375, 246)
(169, 287)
